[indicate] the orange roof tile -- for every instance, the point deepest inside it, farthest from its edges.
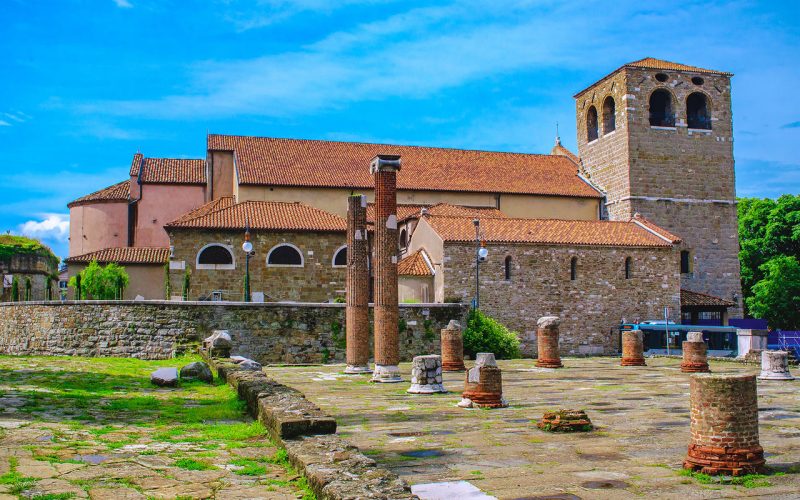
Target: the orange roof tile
(653, 63)
(546, 232)
(560, 150)
(416, 264)
(411, 211)
(124, 255)
(168, 170)
(212, 206)
(263, 215)
(293, 162)
(637, 217)
(690, 298)
(116, 193)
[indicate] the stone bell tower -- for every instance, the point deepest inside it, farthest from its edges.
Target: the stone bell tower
(657, 137)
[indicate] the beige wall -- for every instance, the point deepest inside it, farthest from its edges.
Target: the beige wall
(411, 288)
(424, 237)
(222, 174)
(97, 226)
(145, 280)
(549, 207)
(161, 204)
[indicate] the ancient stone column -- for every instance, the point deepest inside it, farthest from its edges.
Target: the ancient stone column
(695, 354)
(483, 386)
(632, 348)
(426, 375)
(724, 412)
(547, 342)
(775, 366)
(452, 348)
(387, 342)
(357, 287)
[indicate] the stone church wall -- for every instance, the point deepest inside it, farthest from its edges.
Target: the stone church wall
(268, 333)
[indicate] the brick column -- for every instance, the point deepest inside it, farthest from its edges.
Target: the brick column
(387, 342)
(695, 354)
(632, 348)
(357, 288)
(547, 342)
(483, 386)
(452, 348)
(724, 411)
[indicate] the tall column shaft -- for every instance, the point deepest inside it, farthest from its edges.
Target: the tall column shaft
(387, 342)
(357, 287)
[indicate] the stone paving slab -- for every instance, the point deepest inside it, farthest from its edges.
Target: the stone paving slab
(641, 415)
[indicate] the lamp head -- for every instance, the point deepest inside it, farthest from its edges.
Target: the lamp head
(247, 246)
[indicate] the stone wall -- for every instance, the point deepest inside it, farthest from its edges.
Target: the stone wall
(37, 268)
(591, 307)
(268, 333)
(318, 280)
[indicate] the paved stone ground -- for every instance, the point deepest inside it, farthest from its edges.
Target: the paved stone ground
(97, 428)
(642, 415)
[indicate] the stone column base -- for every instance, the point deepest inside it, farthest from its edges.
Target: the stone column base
(695, 368)
(453, 366)
(386, 374)
(549, 363)
(633, 362)
(715, 460)
(357, 370)
(766, 375)
(426, 389)
(482, 400)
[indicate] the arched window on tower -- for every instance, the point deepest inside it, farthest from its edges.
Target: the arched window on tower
(573, 268)
(661, 113)
(609, 115)
(628, 267)
(507, 265)
(697, 115)
(591, 124)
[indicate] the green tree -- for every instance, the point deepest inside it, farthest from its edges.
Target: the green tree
(187, 283)
(15, 290)
(28, 289)
(486, 334)
(100, 283)
(776, 297)
(167, 284)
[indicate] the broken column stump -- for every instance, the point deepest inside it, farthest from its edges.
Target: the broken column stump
(775, 366)
(483, 387)
(724, 413)
(547, 342)
(452, 348)
(565, 421)
(426, 375)
(632, 348)
(695, 354)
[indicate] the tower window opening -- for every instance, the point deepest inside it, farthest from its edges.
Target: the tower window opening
(573, 268)
(661, 113)
(697, 80)
(628, 263)
(609, 115)
(686, 262)
(697, 111)
(662, 77)
(591, 124)
(508, 268)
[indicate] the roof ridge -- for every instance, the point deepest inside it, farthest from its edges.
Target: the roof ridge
(605, 221)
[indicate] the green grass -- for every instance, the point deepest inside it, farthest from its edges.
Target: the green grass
(192, 464)
(16, 482)
(249, 467)
(54, 496)
(747, 481)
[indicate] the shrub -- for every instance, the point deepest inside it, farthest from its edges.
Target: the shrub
(15, 290)
(187, 283)
(167, 284)
(486, 334)
(100, 283)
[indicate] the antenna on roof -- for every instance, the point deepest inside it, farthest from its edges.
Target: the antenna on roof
(558, 137)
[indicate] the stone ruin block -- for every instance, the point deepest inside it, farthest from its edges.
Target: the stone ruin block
(565, 421)
(219, 344)
(775, 366)
(483, 387)
(426, 375)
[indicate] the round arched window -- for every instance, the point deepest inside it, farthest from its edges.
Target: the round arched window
(215, 256)
(340, 257)
(285, 255)
(591, 124)
(661, 113)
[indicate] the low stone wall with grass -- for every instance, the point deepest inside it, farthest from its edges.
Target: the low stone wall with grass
(267, 333)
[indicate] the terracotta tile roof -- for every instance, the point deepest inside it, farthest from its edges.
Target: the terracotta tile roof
(637, 217)
(405, 212)
(262, 215)
(560, 150)
(124, 255)
(546, 232)
(690, 298)
(416, 264)
(213, 206)
(116, 193)
(653, 63)
(168, 170)
(292, 162)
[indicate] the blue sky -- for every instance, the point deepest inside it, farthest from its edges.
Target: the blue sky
(88, 83)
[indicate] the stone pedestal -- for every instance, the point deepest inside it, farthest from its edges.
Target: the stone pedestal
(724, 412)
(452, 348)
(357, 287)
(384, 168)
(775, 366)
(751, 340)
(547, 342)
(219, 344)
(695, 354)
(632, 348)
(426, 375)
(483, 386)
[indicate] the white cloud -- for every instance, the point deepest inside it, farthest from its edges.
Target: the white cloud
(123, 4)
(53, 227)
(4, 123)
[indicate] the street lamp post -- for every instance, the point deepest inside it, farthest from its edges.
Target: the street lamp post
(248, 249)
(481, 253)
